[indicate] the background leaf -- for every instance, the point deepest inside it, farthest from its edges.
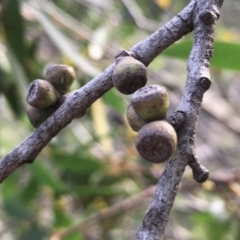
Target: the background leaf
(14, 28)
(46, 176)
(226, 55)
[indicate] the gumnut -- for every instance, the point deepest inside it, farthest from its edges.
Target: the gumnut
(38, 115)
(129, 75)
(42, 94)
(60, 76)
(134, 121)
(151, 102)
(156, 141)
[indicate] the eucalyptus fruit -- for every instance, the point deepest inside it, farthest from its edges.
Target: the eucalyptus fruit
(134, 120)
(151, 102)
(39, 115)
(42, 94)
(156, 141)
(129, 75)
(60, 76)
(45, 96)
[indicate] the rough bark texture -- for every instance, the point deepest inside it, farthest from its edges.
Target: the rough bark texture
(77, 103)
(204, 15)
(200, 15)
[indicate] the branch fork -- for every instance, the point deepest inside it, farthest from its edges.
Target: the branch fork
(198, 81)
(199, 15)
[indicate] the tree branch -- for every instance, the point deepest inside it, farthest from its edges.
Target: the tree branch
(204, 16)
(107, 213)
(77, 102)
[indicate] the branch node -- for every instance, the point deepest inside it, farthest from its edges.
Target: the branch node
(205, 83)
(177, 119)
(123, 53)
(200, 173)
(208, 17)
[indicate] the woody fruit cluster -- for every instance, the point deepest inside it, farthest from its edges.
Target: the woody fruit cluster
(45, 96)
(156, 140)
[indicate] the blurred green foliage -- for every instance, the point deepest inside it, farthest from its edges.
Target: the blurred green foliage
(225, 54)
(81, 172)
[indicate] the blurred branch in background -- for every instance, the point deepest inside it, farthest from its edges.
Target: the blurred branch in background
(119, 208)
(139, 18)
(63, 43)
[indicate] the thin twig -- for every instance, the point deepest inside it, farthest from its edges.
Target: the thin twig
(204, 16)
(108, 213)
(200, 173)
(201, 15)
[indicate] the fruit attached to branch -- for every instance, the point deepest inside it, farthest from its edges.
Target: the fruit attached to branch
(151, 102)
(156, 141)
(129, 75)
(42, 94)
(45, 97)
(64, 97)
(134, 120)
(39, 115)
(60, 76)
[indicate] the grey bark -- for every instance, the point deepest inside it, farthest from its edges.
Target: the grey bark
(200, 15)
(77, 103)
(204, 15)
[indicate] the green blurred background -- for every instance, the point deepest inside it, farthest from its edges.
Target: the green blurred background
(89, 182)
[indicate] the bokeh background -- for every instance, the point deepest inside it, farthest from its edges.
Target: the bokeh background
(89, 182)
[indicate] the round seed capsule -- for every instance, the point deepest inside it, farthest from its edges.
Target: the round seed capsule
(129, 75)
(134, 120)
(60, 76)
(42, 94)
(156, 141)
(151, 102)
